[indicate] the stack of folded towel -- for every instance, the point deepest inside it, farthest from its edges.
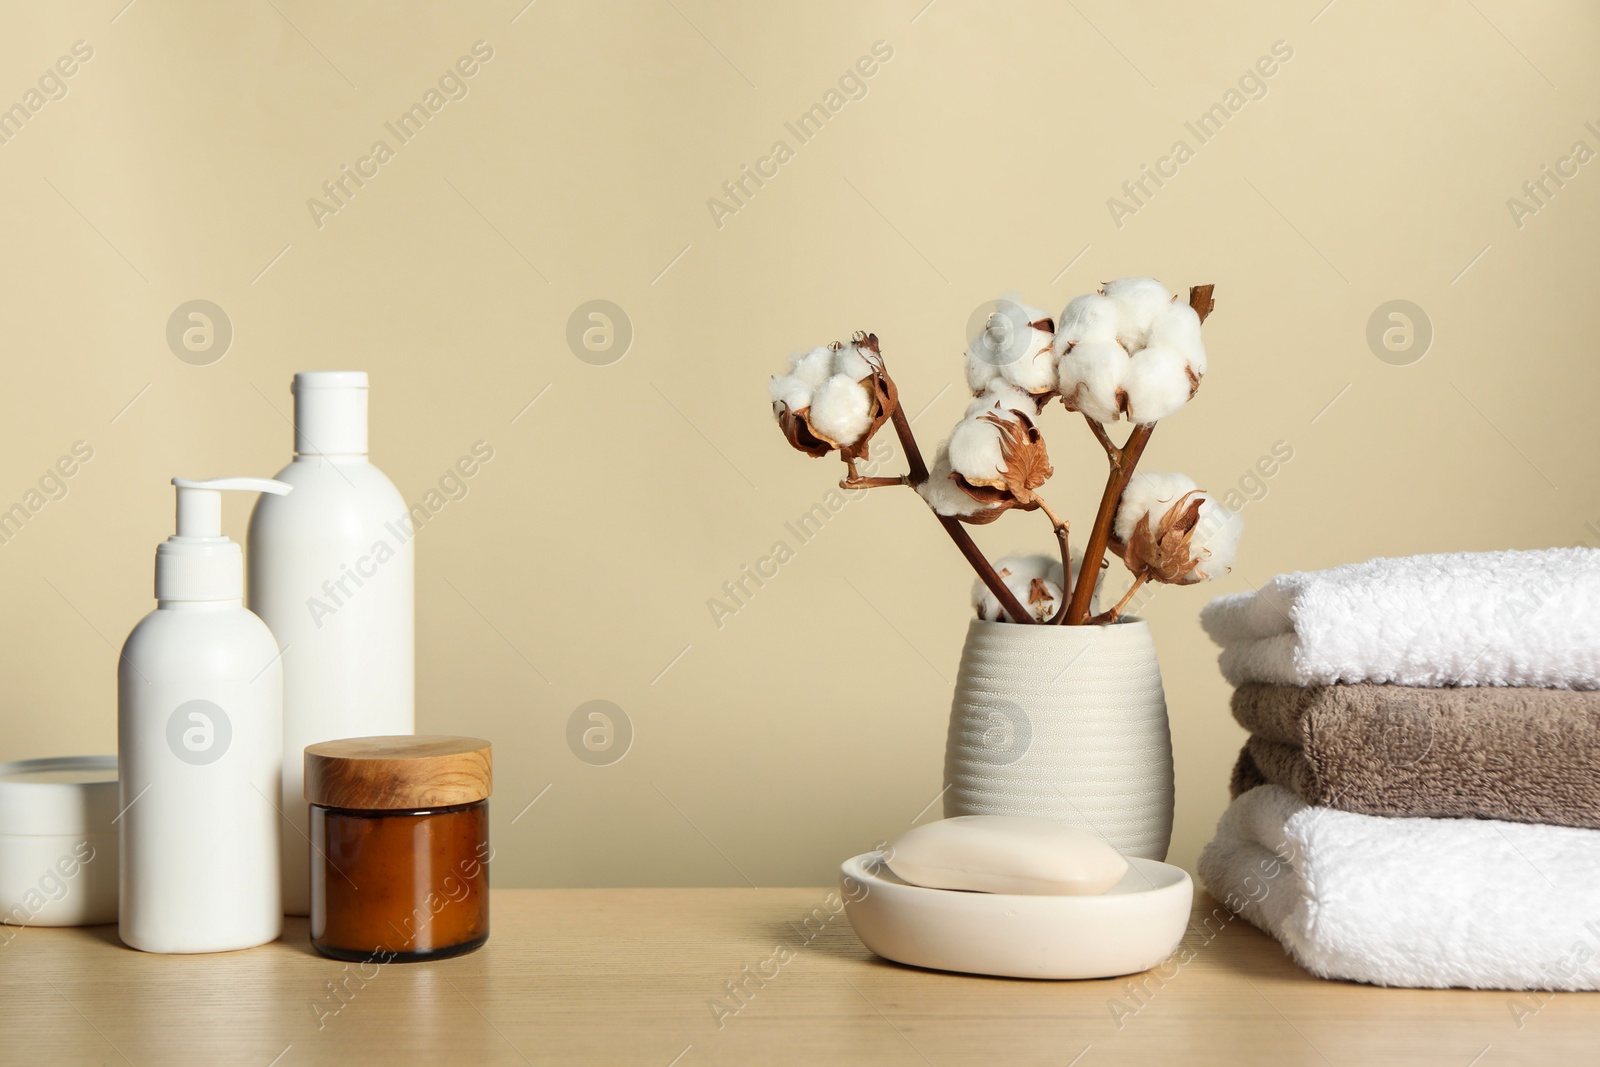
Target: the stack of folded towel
(1418, 803)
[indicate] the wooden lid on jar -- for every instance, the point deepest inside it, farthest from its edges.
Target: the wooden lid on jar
(404, 773)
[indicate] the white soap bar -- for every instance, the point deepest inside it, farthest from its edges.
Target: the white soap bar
(1005, 854)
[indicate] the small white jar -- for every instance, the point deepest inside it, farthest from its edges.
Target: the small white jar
(58, 842)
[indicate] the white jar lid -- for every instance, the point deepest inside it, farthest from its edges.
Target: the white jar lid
(74, 795)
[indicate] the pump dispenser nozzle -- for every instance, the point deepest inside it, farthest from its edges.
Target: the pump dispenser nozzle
(197, 563)
(200, 502)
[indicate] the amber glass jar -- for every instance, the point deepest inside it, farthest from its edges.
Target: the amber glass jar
(399, 847)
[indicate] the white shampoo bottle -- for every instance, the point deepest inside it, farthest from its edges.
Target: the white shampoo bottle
(200, 743)
(331, 572)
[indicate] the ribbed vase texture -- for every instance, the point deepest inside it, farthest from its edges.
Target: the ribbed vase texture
(1066, 723)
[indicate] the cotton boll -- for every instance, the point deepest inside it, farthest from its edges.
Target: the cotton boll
(1035, 370)
(1149, 493)
(813, 367)
(986, 350)
(790, 392)
(850, 362)
(980, 371)
(1001, 397)
(1138, 301)
(1177, 535)
(1021, 344)
(1090, 317)
(1043, 598)
(1013, 306)
(1013, 344)
(1157, 383)
(841, 410)
(1018, 573)
(1178, 327)
(1040, 595)
(1144, 296)
(1091, 376)
(986, 604)
(1215, 539)
(942, 494)
(1026, 568)
(975, 450)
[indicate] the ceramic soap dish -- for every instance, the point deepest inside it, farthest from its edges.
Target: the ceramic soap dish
(1130, 928)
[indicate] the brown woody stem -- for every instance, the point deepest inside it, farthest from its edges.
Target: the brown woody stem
(918, 472)
(1116, 612)
(1060, 526)
(1008, 599)
(872, 483)
(915, 476)
(1066, 577)
(1104, 438)
(1122, 463)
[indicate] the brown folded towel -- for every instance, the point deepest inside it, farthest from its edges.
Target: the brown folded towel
(1524, 755)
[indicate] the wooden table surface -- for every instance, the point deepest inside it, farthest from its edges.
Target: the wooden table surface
(641, 976)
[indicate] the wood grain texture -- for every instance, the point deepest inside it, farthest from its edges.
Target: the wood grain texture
(383, 773)
(578, 976)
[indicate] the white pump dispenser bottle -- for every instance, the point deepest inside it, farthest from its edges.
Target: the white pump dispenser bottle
(331, 572)
(200, 743)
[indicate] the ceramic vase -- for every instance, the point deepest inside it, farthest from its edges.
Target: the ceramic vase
(1066, 723)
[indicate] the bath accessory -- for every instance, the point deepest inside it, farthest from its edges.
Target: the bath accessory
(1005, 854)
(400, 847)
(1130, 928)
(1066, 723)
(58, 844)
(1412, 902)
(331, 574)
(1515, 618)
(1493, 752)
(200, 739)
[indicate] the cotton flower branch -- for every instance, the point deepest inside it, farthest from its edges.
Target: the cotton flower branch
(835, 398)
(1123, 460)
(1130, 349)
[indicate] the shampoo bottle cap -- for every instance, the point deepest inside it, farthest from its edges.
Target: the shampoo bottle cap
(197, 563)
(330, 412)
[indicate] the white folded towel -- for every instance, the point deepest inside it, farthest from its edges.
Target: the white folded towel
(1427, 903)
(1470, 618)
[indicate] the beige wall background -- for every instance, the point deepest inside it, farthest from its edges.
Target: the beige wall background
(178, 164)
